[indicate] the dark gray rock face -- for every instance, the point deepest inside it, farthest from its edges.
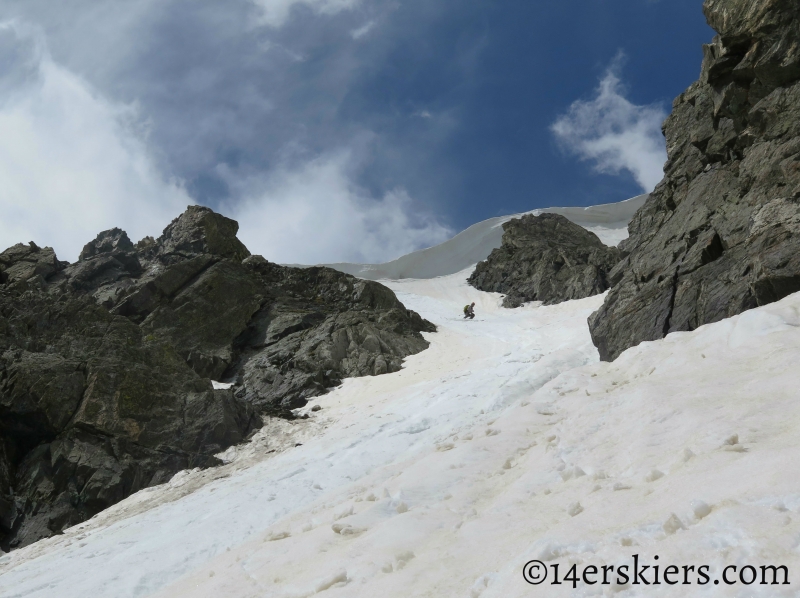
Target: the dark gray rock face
(545, 258)
(318, 327)
(28, 263)
(721, 233)
(106, 364)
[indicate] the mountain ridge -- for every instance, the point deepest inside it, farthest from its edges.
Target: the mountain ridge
(476, 242)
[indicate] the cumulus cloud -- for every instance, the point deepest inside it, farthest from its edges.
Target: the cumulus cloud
(315, 214)
(614, 134)
(72, 163)
(276, 12)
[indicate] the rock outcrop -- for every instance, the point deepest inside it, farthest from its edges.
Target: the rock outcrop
(106, 365)
(721, 233)
(545, 258)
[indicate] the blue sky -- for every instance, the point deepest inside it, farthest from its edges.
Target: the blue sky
(331, 129)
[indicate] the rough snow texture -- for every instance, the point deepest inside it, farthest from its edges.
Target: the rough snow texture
(607, 221)
(721, 233)
(506, 441)
(545, 258)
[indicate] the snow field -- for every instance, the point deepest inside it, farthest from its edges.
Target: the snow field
(608, 221)
(506, 441)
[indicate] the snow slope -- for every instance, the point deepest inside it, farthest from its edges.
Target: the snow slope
(505, 441)
(607, 221)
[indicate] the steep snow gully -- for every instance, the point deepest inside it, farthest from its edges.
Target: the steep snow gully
(504, 442)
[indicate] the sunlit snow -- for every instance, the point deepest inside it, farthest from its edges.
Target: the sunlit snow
(505, 441)
(608, 221)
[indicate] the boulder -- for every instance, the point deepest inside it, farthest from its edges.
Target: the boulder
(106, 365)
(23, 263)
(721, 232)
(201, 230)
(545, 258)
(111, 241)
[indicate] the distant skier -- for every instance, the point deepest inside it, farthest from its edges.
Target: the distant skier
(469, 310)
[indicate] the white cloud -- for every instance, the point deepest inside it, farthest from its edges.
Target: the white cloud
(71, 163)
(276, 12)
(315, 214)
(363, 30)
(615, 134)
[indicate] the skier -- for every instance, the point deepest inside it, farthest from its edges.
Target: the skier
(469, 311)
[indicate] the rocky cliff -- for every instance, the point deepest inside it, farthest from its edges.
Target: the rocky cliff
(545, 258)
(721, 233)
(106, 365)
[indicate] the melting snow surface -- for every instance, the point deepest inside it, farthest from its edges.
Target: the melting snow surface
(507, 440)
